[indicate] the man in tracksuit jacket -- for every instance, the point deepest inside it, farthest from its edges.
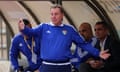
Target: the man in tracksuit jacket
(80, 55)
(20, 44)
(55, 42)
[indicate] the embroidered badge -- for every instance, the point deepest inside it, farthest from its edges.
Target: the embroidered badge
(64, 32)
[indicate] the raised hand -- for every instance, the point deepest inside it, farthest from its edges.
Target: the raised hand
(104, 54)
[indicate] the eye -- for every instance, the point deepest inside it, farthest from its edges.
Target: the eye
(82, 30)
(99, 29)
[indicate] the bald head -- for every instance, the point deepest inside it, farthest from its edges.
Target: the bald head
(85, 25)
(85, 30)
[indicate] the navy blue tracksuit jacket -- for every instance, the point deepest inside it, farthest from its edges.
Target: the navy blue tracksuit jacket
(18, 45)
(56, 41)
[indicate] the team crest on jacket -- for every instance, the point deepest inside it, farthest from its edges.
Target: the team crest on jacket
(64, 32)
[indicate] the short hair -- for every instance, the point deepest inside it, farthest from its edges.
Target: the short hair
(58, 6)
(103, 23)
(26, 21)
(86, 23)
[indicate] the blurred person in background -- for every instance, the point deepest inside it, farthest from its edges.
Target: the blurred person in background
(105, 42)
(80, 56)
(29, 47)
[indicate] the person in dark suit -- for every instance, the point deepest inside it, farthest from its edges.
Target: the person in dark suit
(105, 42)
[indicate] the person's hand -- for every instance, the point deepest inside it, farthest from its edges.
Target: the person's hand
(89, 60)
(104, 55)
(37, 70)
(21, 24)
(96, 64)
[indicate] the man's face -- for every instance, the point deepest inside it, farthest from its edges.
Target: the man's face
(56, 16)
(85, 32)
(100, 31)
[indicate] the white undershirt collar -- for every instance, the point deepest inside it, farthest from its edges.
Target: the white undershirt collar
(61, 25)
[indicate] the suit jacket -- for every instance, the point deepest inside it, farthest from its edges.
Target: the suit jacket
(113, 62)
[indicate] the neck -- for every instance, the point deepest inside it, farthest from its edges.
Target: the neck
(57, 24)
(89, 38)
(26, 37)
(102, 39)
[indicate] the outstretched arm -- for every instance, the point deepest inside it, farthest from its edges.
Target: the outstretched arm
(88, 47)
